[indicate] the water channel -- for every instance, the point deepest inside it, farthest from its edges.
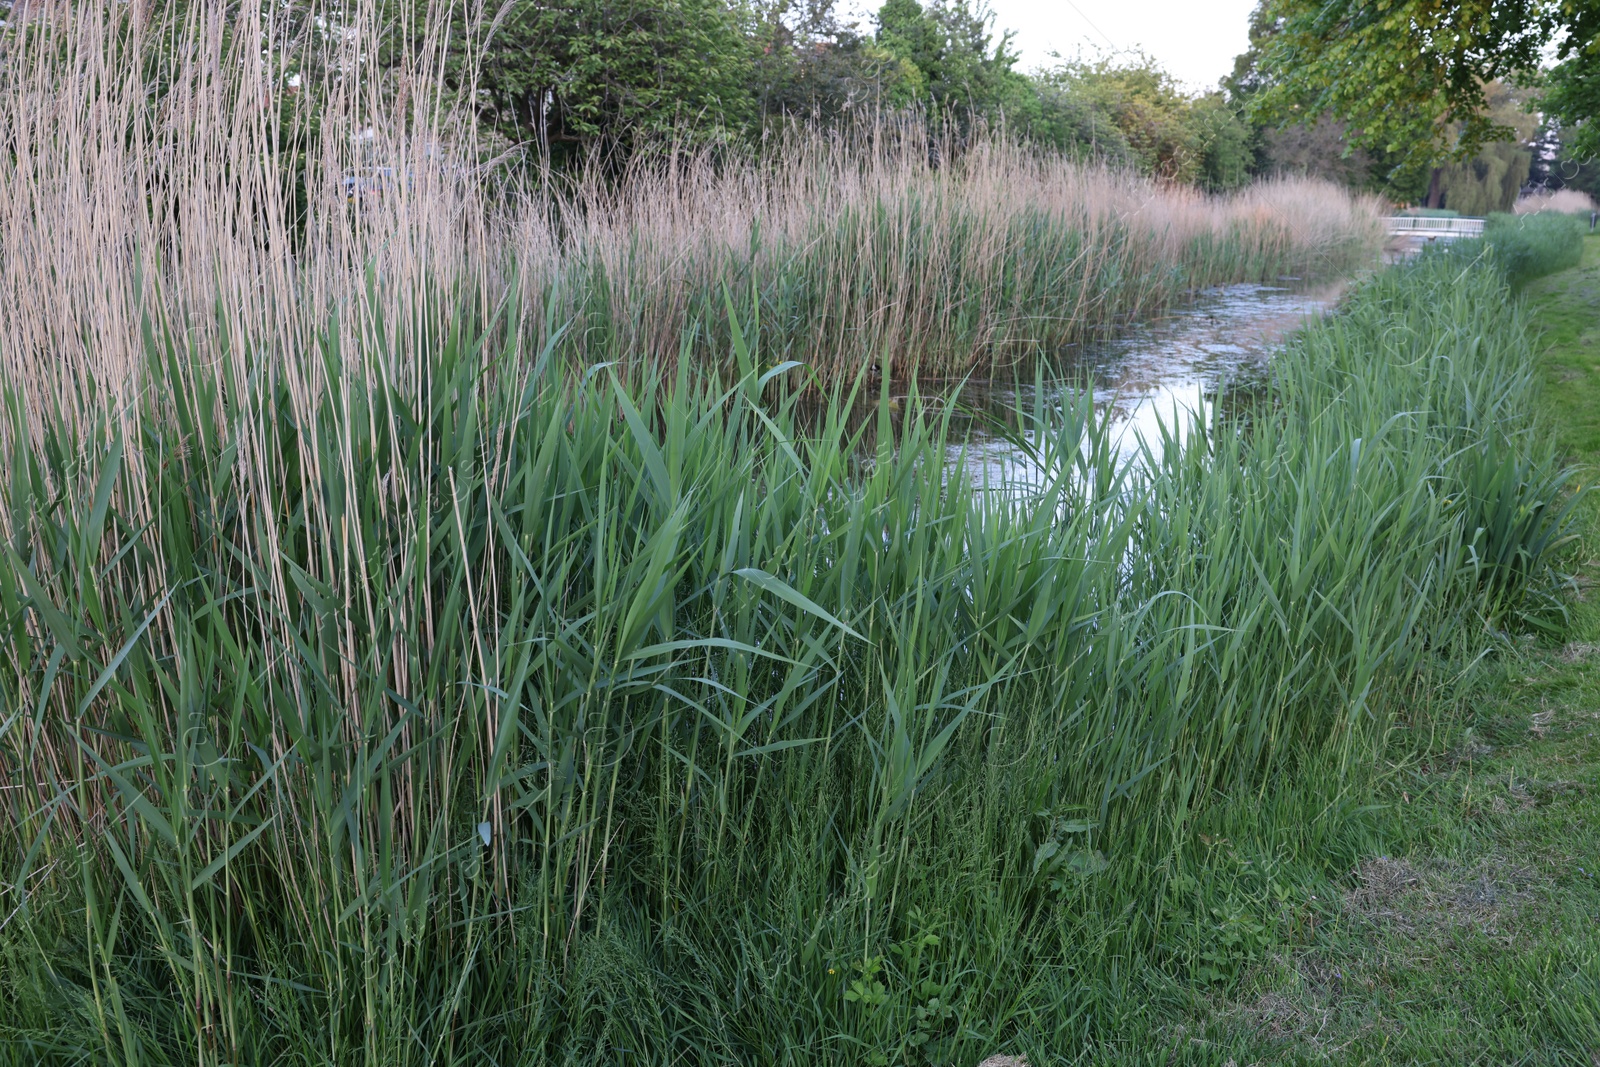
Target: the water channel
(1152, 374)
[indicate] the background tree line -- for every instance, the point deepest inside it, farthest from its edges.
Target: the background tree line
(575, 78)
(1450, 103)
(1426, 102)
(1444, 104)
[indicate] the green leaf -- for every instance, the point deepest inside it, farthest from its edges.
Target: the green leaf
(783, 591)
(116, 661)
(228, 857)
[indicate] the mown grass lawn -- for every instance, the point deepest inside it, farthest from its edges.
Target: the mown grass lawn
(1467, 930)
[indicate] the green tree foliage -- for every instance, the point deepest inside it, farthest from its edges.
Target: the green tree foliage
(1409, 77)
(1582, 174)
(1491, 179)
(962, 68)
(1063, 117)
(811, 65)
(1159, 128)
(1486, 183)
(1316, 149)
(1316, 146)
(1365, 94)
(569, 79)
(1572, 98)
(1152, 113)
(585, 73)
(1227, 151)
(1302, 145)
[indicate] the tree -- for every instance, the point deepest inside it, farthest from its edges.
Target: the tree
(1572, 98)
(1557, 166)
(1409, 77)
(963, 69)
(1058, 114)
(1492, 179)
(1315, 149)
(1226, 149)
(576, 74)
(1162, 130)
(812, 66)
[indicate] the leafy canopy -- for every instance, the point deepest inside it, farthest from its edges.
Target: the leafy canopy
(961, 66)
(1409, 77)
(1572, 99)
(586, 72)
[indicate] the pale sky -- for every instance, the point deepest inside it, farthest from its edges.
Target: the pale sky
(1194, 39)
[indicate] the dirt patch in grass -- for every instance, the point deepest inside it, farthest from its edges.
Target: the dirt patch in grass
(1413, 898)
(1277, 1018)
(1316, 1027)
(1380, 883)
(1578, 652)
(1315, 1006)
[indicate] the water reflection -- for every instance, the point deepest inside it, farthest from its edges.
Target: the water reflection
(1148, 379)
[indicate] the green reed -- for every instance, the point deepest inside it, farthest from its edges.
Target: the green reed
(1529, 246)
(944, 282)
(484, 715)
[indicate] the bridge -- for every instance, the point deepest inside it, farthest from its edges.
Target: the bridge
(1433, 228)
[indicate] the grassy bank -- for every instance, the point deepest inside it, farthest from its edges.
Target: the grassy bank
(1529, 247)
(1457, 923)
(494, 715)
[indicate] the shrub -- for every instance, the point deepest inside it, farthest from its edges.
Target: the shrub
(1524, 247)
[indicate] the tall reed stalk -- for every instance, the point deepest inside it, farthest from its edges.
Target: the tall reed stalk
(156, 170)
(389, 680)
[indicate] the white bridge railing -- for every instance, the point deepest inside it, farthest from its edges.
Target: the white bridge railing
(1423, 226)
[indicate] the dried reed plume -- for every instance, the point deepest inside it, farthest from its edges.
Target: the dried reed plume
(152, 174)
(1563, 201)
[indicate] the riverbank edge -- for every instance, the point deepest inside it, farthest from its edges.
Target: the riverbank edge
(1467, 927)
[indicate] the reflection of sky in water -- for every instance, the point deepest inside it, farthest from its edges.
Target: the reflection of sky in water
(1155, 374)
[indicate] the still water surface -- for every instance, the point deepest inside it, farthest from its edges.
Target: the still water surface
(1154, 373)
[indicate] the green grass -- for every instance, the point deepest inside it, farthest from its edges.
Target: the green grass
(1565, 307)
(481, 716)
(1528, 247)
(1466, 928)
